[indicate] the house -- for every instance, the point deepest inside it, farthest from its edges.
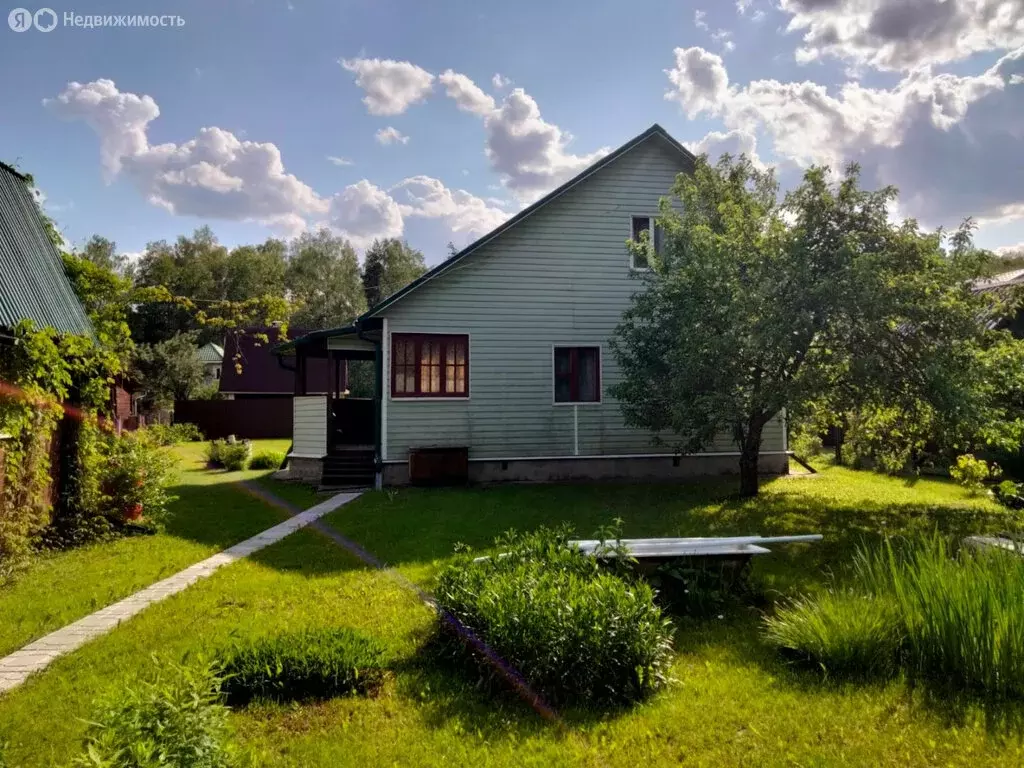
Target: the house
(499, 358)
(212, 357)
(251, 370)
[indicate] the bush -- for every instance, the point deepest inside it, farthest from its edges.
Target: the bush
(135, 478)
(173, 434)
(971, 473)
(232, 454)
(574, 632)
(843, 633)
(312, 664)
(267, 460)
(176, 721)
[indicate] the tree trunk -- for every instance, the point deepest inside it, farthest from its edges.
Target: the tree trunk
(749, 453)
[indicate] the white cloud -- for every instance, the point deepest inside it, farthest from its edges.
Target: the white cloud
(742, 6)
(724, 38)
(954, 145)
(904, 35)
(500, 82)
(700, 81)
(467, 95)
(736, 142)
(391, 135)
(391, 86)
(216, 175)
(1010, 250)
(363, 212)
(342, 161)
(460, 210)
(700, 20)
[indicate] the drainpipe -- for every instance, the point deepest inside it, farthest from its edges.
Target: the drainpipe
(378, 396)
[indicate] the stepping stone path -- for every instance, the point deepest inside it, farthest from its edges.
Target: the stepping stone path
(35, 656)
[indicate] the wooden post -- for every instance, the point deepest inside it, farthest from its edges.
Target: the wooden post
(344, 375)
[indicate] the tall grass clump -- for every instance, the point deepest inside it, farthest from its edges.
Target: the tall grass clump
(553, 618)
(948, 619)
(303, 665)
(174, 721)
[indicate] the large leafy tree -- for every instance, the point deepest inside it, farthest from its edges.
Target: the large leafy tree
(755, 305)
(168, 370)
(323, 280)
(389, 265)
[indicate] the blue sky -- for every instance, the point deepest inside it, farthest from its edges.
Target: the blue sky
(925, 98)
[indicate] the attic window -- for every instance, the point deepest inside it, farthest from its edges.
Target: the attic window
(639, 225)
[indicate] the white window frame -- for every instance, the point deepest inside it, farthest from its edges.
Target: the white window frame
(600, 371)
(651, 219)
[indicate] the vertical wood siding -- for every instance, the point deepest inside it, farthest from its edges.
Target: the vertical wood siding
(560, 276)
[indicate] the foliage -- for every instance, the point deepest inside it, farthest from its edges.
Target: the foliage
(231, 454)
(103, 253)
(304, 665)
(136, 478)
(971, 473)
(323, 279)
(805, 441)
(753, 306)
(388, 266)
(572, 632)
(267, 460)
(1010, 494)
(846, 634)
(173, 434)
(173, 721)
(107, 298)
(168, 371)
(209, 390)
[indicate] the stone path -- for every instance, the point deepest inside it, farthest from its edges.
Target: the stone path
(14, 669)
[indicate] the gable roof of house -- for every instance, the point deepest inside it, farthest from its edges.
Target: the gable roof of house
(261, 374)
(33, 285)
(654, 131)
(211, 353)
(611, 157)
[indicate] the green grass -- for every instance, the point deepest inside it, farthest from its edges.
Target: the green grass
(736, 702)
(60, 587)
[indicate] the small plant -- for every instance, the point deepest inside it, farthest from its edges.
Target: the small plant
(267, 460)
(231, 454)
(1010, 494)
(573, 631)
(135, 478)
(844, 633)
(971, 473)
(311, 664)
(175, 721)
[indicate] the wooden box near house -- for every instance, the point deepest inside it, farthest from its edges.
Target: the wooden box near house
(439, 466)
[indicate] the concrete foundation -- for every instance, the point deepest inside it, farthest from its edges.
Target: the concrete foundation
(659, 468)
(305, 470)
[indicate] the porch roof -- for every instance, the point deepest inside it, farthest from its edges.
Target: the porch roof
(317, 343)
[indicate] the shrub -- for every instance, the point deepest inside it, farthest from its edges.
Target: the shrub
(311, 664)
(232, 454)
(175, 721)
(1010, 494)
(574, 632)
(971, 473)
(135, 478)
(267, 460)
(173, 434)
(843, 633)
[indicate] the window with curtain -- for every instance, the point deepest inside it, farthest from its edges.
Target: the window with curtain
(578, 374)
(429, 365)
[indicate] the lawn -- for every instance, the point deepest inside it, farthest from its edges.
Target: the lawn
(735, 702)
(209, 515)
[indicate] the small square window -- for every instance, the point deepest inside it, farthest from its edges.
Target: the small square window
(639, 225)
(577, 374)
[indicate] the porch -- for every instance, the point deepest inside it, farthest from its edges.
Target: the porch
(336, 437)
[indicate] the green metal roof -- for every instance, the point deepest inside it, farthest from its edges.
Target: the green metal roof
(211, 353)
(33, 285)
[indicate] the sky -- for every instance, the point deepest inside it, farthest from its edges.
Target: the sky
(435, 121)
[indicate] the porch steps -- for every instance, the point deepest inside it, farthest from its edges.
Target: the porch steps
(348, 469)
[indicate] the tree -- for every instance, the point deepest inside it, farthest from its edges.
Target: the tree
(107, 298)
(389, 266)
(103, 253)
(323, 280)
(753, 306)
(256, 270)
(168, 370)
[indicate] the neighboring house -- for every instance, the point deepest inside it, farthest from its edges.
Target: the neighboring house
(212, 357)
(1009, 286)
(499, 357)
(251, 370)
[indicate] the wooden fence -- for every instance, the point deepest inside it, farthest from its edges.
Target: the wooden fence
(254, 418)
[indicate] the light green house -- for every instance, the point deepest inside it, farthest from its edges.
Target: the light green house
(503, 349)
(212, 357)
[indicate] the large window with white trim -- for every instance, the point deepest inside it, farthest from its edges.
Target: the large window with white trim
(577, 374)
(429, 365)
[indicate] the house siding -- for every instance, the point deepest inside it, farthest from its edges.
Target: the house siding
(560, 276)
(309, 426)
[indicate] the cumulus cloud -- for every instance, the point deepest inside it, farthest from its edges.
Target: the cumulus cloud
(700, 81)
(391, 86)
(1010, 250)
(467, 95)
(390, 135)
(460, 210)
(735, 142)
(904, 35)
(217, 175)
(954, 145)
